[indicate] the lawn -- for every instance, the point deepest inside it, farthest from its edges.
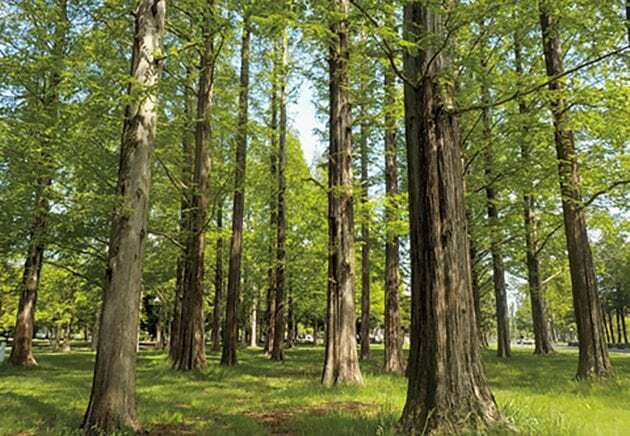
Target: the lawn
(260, 397)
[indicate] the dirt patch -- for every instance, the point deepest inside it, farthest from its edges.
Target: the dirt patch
(278, 422)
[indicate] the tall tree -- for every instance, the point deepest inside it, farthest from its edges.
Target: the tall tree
(190, 352)
(341, 364)
(542, 338)
(365, 233)
(394, 360)
(230, 336)
(281, 231)
(112, 403)
(22, 350)
(447, 385)
(594, 361)
(218, 282)
(494, 222)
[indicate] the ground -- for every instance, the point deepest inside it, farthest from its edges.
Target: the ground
(264, 398)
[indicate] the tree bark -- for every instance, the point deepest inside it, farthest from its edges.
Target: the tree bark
(341, 363)
(542, 340)
(218, 282)
(448, 391)
(618, 315)
(191, 351)
(230, 339)
(365, 242)
(394, 360)
(22, 349)
(623, 326)
(594, 361)
(112, 403)
(280, 264)
(184, 214)
(474, 277)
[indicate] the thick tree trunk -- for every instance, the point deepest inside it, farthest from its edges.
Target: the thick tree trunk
(280, 264)
(494, 223)
(394, 360)
(218, 282)
(447, 389)
(594, 361)
(341, 363)
(112, 401)
(191, 351)
(230, 336)
(539, 317)
(22, 349)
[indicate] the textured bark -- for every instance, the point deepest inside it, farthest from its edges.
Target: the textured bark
(394, 360)
(341, 363)
(22, 349)
(281, 230)
(448, 391)
(594, 361)
(191, 352)
(365, 244)
(230, 336)
(539, 316)
(494, 223)
(218, 283)
(112, 401)
(474, 277)
(184, 213)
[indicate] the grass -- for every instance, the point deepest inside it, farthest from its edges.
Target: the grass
(260, 397)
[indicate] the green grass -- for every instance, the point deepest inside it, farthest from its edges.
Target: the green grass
(260, 397)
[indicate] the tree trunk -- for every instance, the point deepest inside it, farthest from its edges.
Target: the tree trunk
(605, 322)
(112, 401)
(447, 389)
(618, 315)
(253, 338)
(365, 241)
(191, 351)
(623, 326)
(539, 317)
(594, 361)
(187, 169)
(230, 339)
(22, 349)
(474, 277)
(498, 269)
(280, 264)
(341, 364)
(218, 282)
(394, 360)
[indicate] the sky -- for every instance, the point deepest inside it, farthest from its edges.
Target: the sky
(303, 119)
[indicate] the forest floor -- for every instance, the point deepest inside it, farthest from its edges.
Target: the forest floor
(263, 398)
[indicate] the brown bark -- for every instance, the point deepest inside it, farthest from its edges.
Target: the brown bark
(218, 282)
(394, 360)
(184, 213)
(22, 348)
(623, 326)
(191, 352)
(341, 363)
(112, 401)
(365, 243)
(542, 340)
(594, 361)
(448, 391)
(280, 264)
(618, 315)
(474, 277)
(230, 337)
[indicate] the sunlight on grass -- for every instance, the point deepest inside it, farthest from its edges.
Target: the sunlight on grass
(260, 397)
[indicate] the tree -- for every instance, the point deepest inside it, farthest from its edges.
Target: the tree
(277, 353)
(22, 350)
(394, 360)
(447, 385)
(341, 364)
(190, 352)
(230, 332)
(594, 361)
(112, 403)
